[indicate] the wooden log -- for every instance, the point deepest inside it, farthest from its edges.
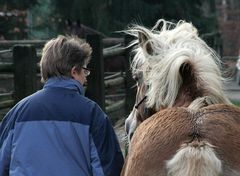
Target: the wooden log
(96, 89)
(111, 99)
(11, 43)
(114, 82)
(7, 104)
(6, 96)
(113, 51)
(5, 51)
(6, 57)
(230, 58)
(115, 106)
(115, 75)
(117, 95)
(6, 76)
(112, 41)
(25, 70)
(6, 67)
(108, 102)
(109, 74)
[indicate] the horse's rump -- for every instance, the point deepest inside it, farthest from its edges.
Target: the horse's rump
(177, 135)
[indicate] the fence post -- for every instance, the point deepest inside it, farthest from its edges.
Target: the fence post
(129, 82)
(96, 88)
(25, 70)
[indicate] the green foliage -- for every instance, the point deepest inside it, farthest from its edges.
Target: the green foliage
(42, 22)
(108, 16)
(200, 12)
(113, 15)
(134, 11)
(93, 13)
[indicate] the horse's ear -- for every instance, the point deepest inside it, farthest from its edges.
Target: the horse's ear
(143, 38)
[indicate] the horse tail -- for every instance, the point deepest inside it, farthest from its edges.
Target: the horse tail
(195, 159)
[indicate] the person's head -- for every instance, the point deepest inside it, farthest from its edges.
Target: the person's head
(65, 57)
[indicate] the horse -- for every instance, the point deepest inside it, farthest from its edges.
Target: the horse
(182, 123)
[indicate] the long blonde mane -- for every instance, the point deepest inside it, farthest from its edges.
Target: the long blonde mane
(171, 47)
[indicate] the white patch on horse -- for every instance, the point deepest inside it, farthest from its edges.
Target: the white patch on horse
(197, 160)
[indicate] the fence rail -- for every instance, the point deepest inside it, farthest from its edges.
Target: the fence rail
(113, 51)
(5, 51)
(231, 58)
(11, 43)
(40, 43)
(116, 106)
(6, 67)
(7, 104)
(6, 100)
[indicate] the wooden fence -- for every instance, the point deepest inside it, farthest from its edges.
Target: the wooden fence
(24, 68)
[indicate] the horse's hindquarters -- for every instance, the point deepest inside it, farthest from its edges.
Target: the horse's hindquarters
(155, 141)
(177, 140)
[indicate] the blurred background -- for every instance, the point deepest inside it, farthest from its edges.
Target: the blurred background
(35, 21)
(217, 20)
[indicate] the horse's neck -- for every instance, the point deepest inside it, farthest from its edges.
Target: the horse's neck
(196, 104)
(184, 97)
(188, 94)
(182, 101)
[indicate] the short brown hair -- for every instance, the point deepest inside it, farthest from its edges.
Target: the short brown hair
(61, 54)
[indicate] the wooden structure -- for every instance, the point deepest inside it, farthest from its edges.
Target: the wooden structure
(24, 69)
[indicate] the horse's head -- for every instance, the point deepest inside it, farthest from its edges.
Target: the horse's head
(173, 67)
(140, 111)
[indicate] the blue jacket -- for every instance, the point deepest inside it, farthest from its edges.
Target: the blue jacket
(58, 132)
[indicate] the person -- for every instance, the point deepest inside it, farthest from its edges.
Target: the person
(58, 131)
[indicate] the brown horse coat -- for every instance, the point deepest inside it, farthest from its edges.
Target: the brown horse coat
(159, 138)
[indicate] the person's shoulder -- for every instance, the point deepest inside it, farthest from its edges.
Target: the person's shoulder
(16, 110)
(24, 101)
(87, 100)
(90, 103)
(29, 99)
(24, 104)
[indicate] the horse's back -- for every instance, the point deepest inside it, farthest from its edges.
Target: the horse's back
(158, 139)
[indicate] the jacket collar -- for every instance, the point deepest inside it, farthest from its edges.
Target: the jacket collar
(64, 82)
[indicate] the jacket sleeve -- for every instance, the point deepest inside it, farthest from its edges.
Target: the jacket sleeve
(105, 150)
(6, 135)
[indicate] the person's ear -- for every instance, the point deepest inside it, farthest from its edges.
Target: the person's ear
(74, 72)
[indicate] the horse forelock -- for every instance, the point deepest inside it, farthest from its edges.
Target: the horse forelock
(173, 46)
